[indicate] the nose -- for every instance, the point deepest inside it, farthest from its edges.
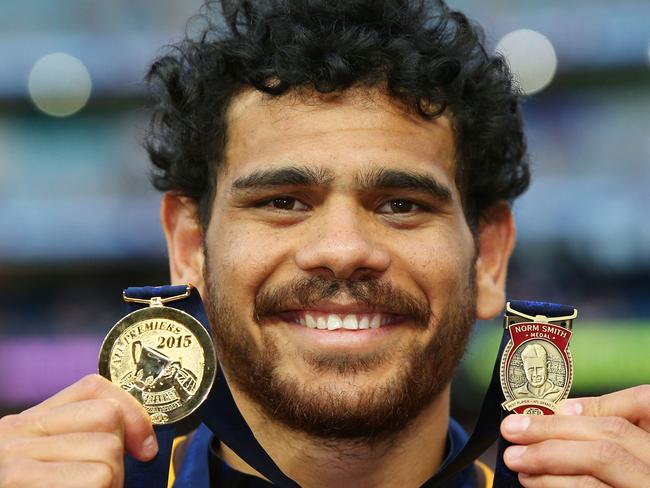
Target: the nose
(343, 243)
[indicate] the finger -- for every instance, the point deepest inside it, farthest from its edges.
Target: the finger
(550, 481)
(103, 415)
(631, 404)
(525, 429)
(139, 437)
(92, 386)
(91, 447)
(605, 461)
(36, 474)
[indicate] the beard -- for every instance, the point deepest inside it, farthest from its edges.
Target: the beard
(340, 410)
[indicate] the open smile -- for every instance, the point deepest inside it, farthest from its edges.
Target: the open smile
(323, 320)
(344, 327)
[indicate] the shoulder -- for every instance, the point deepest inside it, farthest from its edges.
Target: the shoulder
(521, 389)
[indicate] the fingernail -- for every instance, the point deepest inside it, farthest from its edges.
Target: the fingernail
(516, 424)
(570, 407)
(514, 452)
(150, 446)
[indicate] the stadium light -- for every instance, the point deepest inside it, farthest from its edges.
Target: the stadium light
(531, 57)
(59, 84)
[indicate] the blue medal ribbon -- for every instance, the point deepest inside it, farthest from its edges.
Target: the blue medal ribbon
(504, 477)
(154, 473)
(221, 415)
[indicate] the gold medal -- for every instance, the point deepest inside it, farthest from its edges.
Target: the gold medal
(536, 366)
(162, 356)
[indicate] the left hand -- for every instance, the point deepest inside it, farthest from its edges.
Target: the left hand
(591, 442)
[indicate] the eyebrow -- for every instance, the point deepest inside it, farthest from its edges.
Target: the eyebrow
(378, 179)
(284, 176)
(387, 179)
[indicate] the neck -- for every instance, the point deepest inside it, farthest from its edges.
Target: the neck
(538, 390)
(408, 459)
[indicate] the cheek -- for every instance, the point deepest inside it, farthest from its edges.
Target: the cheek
(242, 258)
(441, 266)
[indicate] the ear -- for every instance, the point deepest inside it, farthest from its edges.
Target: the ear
(496, 240)
(180, 223)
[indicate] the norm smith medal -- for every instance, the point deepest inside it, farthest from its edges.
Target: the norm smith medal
(536, 365)
(163, 357)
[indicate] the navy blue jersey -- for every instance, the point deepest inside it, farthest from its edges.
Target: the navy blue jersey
(201, 467)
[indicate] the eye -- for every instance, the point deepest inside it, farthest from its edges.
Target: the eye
(284, 203)
(398, 206)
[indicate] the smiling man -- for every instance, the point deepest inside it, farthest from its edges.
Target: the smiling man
(338, 178)
(337, 242)
(350, 230)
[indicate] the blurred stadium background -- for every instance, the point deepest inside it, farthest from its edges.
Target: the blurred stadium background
(79, 222)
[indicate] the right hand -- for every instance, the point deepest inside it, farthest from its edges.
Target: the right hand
(77, 437)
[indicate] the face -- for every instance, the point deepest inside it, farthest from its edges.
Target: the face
(340, 275)
(535, 371)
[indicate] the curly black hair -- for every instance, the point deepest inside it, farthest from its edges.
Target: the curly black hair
(429, 57)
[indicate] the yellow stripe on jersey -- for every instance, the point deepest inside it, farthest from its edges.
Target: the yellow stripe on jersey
(172, 471)
(487, 472)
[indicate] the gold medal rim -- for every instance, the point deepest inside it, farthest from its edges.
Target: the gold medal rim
(503, 373)
(169, 313)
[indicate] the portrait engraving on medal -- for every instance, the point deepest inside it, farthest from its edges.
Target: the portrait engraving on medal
(537, 371)
(536, 368)
(164, 358)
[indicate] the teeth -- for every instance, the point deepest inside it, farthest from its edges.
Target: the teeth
(334, 322)
(309, 321)
(350, 322)
(364, 323)
(375, 321)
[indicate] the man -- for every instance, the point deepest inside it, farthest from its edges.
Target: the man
(337, 179)
(537, 385)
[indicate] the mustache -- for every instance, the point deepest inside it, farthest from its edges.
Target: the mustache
(374, 293)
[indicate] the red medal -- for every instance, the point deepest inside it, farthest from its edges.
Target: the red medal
(536, 365)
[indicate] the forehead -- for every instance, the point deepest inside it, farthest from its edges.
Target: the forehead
(360, 127)
(534, 361)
